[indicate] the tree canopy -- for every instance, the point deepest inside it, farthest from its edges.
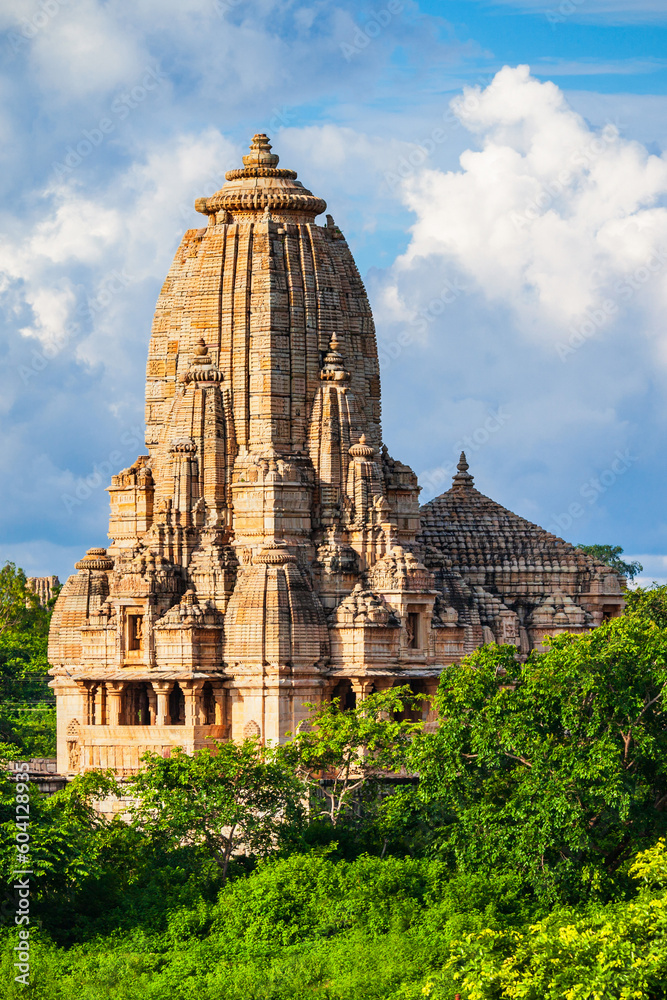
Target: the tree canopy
(556, 767)
(611, 555)
(27, 715)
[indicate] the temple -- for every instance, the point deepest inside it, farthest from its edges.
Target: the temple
(267, 552)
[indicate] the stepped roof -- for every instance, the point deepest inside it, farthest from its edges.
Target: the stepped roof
(471, 531)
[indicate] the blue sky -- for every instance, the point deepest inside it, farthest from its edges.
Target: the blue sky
(510, 224)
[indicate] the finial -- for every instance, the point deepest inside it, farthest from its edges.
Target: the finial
(361, 449)
(201, 367)
(462, 479)
(333, 369)
(260, 152)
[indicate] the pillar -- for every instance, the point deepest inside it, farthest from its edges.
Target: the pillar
(220, 697)
(162, 690)
(114, 696)
(152, 706)
(362, 687)
(192, 691)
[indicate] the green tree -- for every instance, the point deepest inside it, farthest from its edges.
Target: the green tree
(611, 555)
(226, 797)
(557, 768)
(351, 749)
(27, 716)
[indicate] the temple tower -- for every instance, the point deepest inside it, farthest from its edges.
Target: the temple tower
(264, 499)
(267, 552)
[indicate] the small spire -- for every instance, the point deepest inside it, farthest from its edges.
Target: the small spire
(463, 480)
(361, 449)
(333, 369)
(260, 152)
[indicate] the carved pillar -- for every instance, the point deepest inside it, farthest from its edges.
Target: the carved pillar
(162, 689)
(362, 687)
(114, 697)
(220, 696)
(90, 703)
(101, 705)
(192, 691)
(152, 706)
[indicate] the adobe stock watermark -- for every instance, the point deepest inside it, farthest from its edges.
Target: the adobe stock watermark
(223, 7)
(564, 10)
(592, 490)
(373, 27)
(120, 109)
(625, 289)
(434, 479)
(29, 27)
(548, 193)
(21, 872)
(100, 476)
(452, 119)
(107, 289)
(391, 351)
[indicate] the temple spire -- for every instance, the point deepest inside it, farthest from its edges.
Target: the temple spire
(463, 480)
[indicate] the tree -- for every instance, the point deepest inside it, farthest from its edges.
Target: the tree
(226, 797)
(16, 598)
(611, 555)
(27, 718)
(350, 749)
(558, 767)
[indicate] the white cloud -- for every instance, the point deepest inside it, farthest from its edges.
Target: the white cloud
(550, 217)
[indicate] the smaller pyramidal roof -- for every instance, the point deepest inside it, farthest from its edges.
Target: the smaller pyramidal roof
(471, 531)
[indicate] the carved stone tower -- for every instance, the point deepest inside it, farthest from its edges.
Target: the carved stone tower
(262, 506)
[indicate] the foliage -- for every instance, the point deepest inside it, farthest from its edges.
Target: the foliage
(223, 797)
(27, 716)
(614, 952)
(537, 864)
(307, 927)
(351, 749)
(559, 766)
(611, 555)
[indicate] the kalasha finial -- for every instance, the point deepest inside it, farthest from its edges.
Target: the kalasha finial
(462, 479)
(361, 449)
(200, 348)
(260, 154)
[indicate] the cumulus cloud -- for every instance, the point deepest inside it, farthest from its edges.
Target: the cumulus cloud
(561, 223)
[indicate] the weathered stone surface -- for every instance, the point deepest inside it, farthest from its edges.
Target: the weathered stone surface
(266, 551)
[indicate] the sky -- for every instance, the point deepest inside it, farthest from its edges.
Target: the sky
(498, 169)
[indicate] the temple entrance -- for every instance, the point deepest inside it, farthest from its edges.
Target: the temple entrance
(346, 695)
(134, 705)
(413, 714)
(176, 706)
(208, 705)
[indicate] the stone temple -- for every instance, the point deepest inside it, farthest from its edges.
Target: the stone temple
(267, 551)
